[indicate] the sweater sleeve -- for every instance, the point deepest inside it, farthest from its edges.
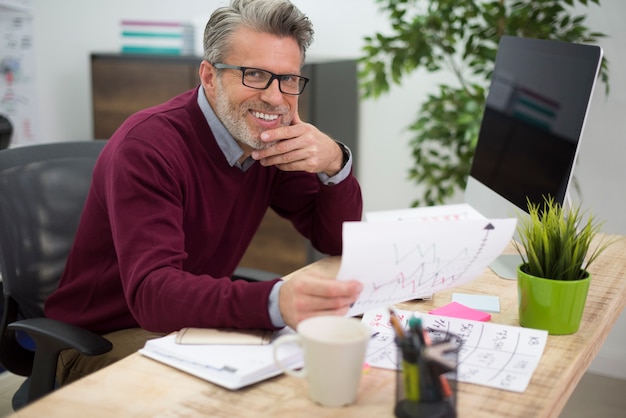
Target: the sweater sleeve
(318, 211)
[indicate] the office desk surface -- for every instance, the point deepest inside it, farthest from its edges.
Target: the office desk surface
(137, 386)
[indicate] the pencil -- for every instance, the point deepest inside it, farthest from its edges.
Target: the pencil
(396, 324)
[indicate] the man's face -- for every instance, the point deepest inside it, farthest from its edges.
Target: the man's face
(247, 112)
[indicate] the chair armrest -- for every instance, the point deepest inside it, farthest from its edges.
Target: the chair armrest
(254, 275)
(51, 331)
(51, 337)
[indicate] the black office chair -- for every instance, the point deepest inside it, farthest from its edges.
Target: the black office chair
(42, 192)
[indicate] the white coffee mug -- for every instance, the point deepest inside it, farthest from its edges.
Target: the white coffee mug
(334, 352)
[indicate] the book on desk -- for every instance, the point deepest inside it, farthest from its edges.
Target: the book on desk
(232, 366)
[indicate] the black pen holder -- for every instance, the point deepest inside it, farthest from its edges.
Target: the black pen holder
(426, 385)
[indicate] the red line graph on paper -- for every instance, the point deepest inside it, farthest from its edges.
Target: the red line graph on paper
(421, 270)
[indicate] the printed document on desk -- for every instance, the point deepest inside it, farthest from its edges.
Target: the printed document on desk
(403, 260)
(499, 356)
(230, 366)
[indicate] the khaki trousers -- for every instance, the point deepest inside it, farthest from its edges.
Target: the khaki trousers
(72, 365)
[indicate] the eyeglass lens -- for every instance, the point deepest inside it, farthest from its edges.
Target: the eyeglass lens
(261, 79)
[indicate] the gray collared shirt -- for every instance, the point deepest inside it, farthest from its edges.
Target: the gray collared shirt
(233, 153)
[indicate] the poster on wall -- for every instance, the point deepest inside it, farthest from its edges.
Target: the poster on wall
(17, 70)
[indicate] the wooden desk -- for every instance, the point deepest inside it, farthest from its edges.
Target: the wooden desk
(139, 387)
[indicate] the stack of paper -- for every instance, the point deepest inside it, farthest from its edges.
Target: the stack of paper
(148, 37)
(230, 366)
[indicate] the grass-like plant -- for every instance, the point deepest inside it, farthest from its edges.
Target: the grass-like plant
(556, 242)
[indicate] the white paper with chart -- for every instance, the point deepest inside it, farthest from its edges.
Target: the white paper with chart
(498, 356)
(398, 261)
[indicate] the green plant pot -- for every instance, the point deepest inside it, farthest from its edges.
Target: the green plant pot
(553, 305)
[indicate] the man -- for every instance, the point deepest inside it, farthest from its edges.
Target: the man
(180, 189)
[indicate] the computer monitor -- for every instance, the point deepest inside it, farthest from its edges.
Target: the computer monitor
(531, 128)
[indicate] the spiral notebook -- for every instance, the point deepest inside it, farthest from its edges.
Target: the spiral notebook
(232, 366)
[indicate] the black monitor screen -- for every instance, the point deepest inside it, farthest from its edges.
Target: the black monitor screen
(533, 119)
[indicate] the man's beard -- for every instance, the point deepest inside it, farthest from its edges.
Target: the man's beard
(234, 118)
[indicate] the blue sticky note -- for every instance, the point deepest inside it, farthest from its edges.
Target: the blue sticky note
(485, 303)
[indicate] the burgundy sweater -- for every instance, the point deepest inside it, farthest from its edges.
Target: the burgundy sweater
(167, 220)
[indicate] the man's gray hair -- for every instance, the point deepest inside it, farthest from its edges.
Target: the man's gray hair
(276, 17)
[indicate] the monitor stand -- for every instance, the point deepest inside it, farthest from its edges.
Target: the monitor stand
(505, 266)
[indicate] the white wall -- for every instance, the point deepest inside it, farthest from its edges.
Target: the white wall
(67, 31)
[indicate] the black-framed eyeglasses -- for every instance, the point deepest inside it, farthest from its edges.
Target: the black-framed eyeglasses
(257, 78)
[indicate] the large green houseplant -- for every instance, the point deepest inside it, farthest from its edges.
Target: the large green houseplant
(557, 246)
(460, 37)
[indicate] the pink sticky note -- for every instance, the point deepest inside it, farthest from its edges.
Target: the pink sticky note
(457, 310)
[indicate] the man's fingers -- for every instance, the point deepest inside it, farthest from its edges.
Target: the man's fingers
(282, 133)
(306, 296)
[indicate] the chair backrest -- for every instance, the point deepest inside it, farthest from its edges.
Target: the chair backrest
(43, 189)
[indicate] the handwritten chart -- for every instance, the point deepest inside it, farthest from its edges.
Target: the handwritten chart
(498, 356)
(398, 261)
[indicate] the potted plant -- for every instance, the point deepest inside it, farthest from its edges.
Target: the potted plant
(555, 245)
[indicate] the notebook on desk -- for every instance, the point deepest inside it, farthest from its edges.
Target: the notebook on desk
(232, 366)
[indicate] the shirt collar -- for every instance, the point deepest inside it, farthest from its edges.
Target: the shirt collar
(224, 139)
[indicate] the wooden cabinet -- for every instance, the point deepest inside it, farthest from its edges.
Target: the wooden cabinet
(123, 84)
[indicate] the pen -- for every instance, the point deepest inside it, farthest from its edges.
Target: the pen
(411, 370)
(415, 324)
(446, 391)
